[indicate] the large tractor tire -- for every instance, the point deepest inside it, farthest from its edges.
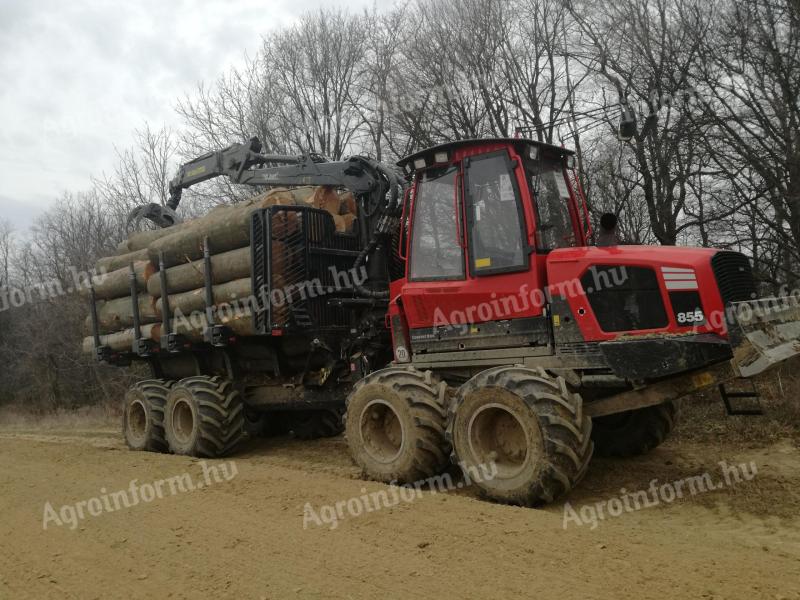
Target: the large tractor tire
(143, 415)
(314, 424)
(204, 417)
(520, 435)
(395, 425)
(634, 432)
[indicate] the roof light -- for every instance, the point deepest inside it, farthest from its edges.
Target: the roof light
(533, 152)
(440, 157)
(570, 160)
(419, 163)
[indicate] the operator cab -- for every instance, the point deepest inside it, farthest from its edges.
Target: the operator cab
(511, 196)
(479, 222)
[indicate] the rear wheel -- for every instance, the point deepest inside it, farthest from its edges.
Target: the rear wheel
(520, 435)
(143, 415)
(313, 424)
(395, 425)
(634, 432)
(204, 417)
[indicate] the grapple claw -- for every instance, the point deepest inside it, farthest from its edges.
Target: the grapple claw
(162, 216)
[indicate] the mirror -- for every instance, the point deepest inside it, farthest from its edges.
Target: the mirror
(627, 124)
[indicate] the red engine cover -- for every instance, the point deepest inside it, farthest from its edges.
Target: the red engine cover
(676, 269)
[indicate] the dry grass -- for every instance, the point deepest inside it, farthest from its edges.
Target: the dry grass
(703, 417)
(86, 417)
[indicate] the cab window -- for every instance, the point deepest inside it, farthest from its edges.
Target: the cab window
(435, 249)
(494, 216)
(554, 227)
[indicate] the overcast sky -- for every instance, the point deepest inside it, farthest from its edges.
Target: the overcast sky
(79, 75)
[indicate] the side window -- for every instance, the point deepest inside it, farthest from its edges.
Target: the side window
(554, 227)
(495, 218)
(435, 249)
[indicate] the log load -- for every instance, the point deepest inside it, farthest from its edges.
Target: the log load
(122, 341)
(227, 266)
(117, 284)
(117, 314)
(121, 261)
(240, 323)
(228, 229)
(195, 300)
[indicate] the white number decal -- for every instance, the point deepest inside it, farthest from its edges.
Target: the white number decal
(686, 318)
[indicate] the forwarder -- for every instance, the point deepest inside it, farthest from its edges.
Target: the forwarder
(485, 330)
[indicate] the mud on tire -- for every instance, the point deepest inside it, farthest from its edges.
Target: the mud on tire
(143, 415)
(634, 432)
(395, 425)
(204, 417)
(520, 435)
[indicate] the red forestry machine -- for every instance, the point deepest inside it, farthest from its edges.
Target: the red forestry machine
(486, 328)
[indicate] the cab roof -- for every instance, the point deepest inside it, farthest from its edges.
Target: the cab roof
(520, 144)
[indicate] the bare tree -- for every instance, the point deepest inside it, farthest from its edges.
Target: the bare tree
(644, 50)
(752, 81)
(6, 250)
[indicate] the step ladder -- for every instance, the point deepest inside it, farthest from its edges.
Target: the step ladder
(745, 389)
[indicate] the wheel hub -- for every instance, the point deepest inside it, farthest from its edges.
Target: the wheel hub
(137, 420)
(497, 436)
(381, 431)
(182, 421)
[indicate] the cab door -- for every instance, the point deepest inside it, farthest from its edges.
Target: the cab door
(470, 262)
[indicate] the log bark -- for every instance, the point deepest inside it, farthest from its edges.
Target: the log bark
(228, 266)
(117, 283)
(114, 263)
(195, 300)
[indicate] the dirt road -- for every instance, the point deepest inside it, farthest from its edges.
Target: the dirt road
(244, 536)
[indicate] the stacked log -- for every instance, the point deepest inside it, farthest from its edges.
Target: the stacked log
(227, 229)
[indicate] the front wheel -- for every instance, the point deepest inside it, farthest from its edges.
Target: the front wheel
(395, 425)
(520, 435)
(634, 432)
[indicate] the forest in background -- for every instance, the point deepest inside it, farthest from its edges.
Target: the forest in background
(715, 85)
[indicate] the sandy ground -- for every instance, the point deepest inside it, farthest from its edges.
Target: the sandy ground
(244, 537)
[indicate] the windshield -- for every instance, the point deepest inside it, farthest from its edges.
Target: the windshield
(554, 227)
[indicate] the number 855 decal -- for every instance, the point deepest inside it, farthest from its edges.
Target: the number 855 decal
(691, 317)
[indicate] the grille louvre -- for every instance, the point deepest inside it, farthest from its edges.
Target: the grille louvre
(734, 276)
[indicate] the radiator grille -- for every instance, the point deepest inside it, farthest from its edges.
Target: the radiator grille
(734, 276)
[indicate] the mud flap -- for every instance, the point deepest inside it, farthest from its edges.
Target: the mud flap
(763, 333)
